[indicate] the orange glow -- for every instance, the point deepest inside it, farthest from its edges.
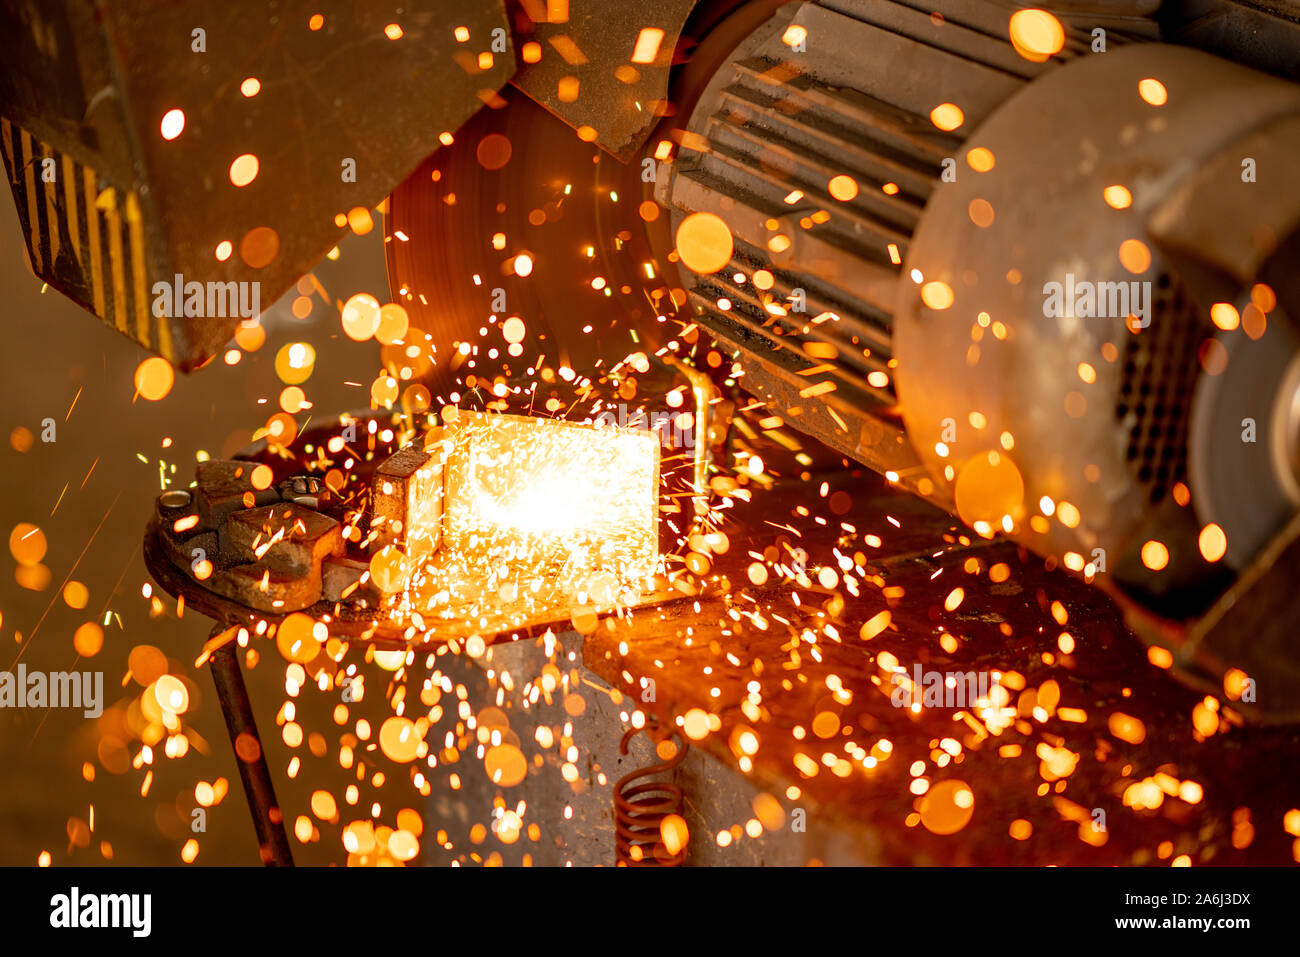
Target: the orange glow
(1153, 91)
(360, 317)
(947, 117)
(980, 159)
(937, 295)
(259, 247)
(244, 169)
(1225, 316)
(88, 639)
(173, 124)
(171, 694)
(1134, 256)
(981, 213)
(1213, 543)
(988, 487)
(1127, 728)
(947, 807)
(513, 330)
(154, 378)
(399, 739)
(1155, 555)
(1117, 197)
(393, 324)
(360, 221)
(1036, 34)
(843, 187)
(1160, 657)
(704, 243)
(299, 638)
(506, 765)
(875, 625)
(647, 45)
(674, 833)
(794, 35)
(27, 544)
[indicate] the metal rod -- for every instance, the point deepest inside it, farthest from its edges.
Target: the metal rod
(703, 390)
(268, 820)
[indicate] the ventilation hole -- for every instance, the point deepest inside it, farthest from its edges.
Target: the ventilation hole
(1160, 370)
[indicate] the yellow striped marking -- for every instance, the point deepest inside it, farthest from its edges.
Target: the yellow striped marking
(135, 224)
(38, 262)
(71, 204)
(51, 207)
(108, 202)
(92, 231)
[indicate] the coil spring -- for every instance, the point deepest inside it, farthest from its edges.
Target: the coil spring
(641, 809)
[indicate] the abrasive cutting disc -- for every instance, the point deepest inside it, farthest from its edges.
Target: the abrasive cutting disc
(520, 219)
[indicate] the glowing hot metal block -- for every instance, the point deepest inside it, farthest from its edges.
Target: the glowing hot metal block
(407, 498)
(542, 521)
(554, 495)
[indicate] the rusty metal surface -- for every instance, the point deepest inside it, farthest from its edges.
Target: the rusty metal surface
(1243, 771)
(644, 801)
(268, 818)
